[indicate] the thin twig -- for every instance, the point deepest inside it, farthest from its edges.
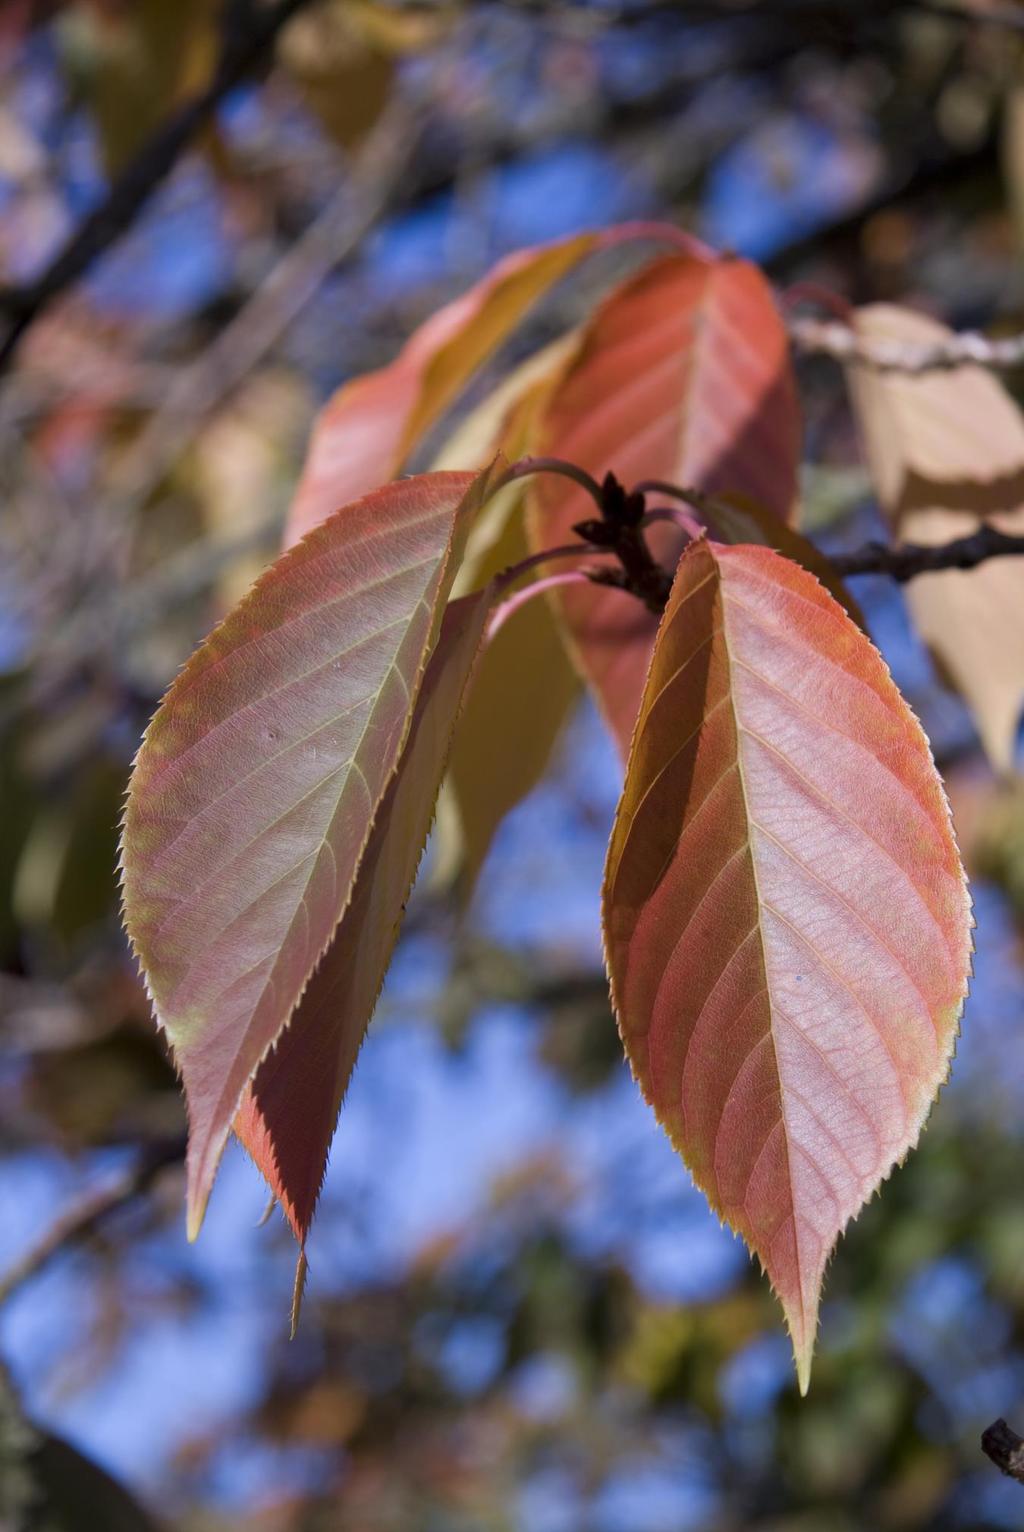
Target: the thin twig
(828, 337)
(243, 49)
(83, 1218)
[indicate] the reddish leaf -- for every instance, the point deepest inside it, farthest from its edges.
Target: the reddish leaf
(787, 925)
(366, 431)
(253, 793)
(288, 1115)
(683, 375)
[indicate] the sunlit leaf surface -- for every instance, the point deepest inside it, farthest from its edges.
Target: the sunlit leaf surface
(786, 920)
(255, 788)
(683, 374)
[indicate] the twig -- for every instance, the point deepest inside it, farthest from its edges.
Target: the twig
(1005, 1448)
(243, 48)
(828, 337)
(911, 559)
(82, 1219)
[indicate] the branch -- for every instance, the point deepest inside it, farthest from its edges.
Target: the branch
(829, 337)
(243, 48)
(619, 532)
(1010, 17)
(1005, 1448)
(81, 1220)
(956, 12)
(904, 563)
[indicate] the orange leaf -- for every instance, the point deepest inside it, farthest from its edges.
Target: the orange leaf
(787, 925)
(364, 434)
(683, 375)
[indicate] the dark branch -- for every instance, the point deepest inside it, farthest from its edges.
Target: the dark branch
(956, 12)
(901, 563)
(619, 532)
(904, 563)
(243, 49)
(1005, 1448)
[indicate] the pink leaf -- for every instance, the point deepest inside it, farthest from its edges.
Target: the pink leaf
(254, 791)
(365, 432)
(787, 924)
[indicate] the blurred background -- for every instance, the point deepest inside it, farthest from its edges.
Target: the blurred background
(520, 1317)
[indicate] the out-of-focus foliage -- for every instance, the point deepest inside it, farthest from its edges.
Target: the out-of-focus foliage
(947, 451)
(565, 1341)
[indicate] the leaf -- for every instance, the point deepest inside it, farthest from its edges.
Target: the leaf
(344, 76)
(946, 449)
(133, 63)
(253, 794)
(288, 1116)
(65, 885)
(367, 430)
(525, 686)
(787, 925)
(245, 455)
(523, 695)
(683, 375)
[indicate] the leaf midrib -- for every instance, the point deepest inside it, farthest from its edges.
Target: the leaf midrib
(761, 905)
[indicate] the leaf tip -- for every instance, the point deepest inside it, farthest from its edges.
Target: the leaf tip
(801, 1313)
(194, 1218)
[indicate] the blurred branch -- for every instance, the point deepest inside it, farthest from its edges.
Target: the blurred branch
(333, 234)
(81, 1220)
(1008, 16)
(243, 48)
(1005, 1448)
(957, 12)
(829, 337)
(904, 563)
(109, 618)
